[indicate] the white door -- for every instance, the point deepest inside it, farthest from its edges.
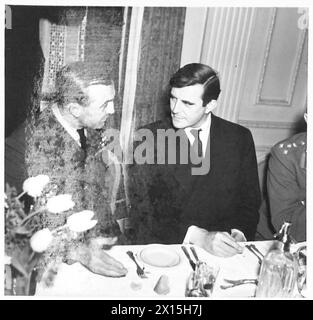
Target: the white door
(261, 55)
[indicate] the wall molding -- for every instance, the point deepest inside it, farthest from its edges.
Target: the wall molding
(262, 157)
(123, 48)
(263, 148)
(262, 152)
(266, 54)
(267, 124)
(193, 47)
(287, 101)
(226, 48)
(131, 77)
(132, 65)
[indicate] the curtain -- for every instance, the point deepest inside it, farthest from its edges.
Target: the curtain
(24, 65)
(159, 57)
(161, 44)
(103, 44)
(43, 39)
(70, 34)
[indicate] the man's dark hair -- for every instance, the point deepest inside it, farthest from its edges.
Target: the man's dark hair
(73, 79)
(197, 73)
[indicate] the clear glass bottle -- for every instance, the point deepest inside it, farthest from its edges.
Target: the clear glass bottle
(278, 273)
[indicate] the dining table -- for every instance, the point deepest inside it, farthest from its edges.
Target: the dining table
(75, 281)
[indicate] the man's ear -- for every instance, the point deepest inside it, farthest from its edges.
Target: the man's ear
(210, 106)
(75, 109)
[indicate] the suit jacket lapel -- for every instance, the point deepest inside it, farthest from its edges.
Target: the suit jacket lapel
(219, 143)
(212, 154)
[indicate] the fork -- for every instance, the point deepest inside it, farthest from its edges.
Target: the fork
(139, 270)
(193, 250)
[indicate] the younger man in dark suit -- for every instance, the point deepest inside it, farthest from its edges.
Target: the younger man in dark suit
(215, 206)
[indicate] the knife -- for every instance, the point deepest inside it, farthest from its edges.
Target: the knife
(193, 250)
(255, 253)
(257, 250)
(193, 265)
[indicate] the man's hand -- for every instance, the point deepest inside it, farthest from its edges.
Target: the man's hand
(238, 235)
(95, 259)
(218, 243)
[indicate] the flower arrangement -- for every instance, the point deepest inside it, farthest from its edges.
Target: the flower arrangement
(26, 238)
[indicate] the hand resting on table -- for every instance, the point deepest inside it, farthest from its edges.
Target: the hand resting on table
(218, 243)
(95, 259)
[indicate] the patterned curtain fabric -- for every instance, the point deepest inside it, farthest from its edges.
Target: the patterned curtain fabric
(82, 34)
(91, 34)
(162, 36)
(161, 44)
(103, 44)
(62, 38)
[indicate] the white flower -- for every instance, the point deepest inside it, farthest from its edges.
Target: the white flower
(34, 185)
(7, 259)
(81, 221)
(60, 203)
(41, 240)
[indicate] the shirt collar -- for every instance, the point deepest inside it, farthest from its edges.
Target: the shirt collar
(71, 131)
(204, 134)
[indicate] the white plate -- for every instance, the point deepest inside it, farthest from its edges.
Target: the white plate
(159, 256)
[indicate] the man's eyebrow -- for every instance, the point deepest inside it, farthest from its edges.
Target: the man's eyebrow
(106, 102)
(188, 102)
(184, 101)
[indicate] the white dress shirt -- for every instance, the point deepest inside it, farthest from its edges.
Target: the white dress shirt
(71, 131)
(204, 133)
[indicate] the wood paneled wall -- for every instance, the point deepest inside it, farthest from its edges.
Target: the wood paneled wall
(261, 55)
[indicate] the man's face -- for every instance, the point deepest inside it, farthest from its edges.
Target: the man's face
(187, 106)
(100, 106)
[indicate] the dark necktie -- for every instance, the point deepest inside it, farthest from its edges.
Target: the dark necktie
(197, 145)
(82, 138)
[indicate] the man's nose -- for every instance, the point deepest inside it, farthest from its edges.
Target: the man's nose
(110, 108)
(176, 106)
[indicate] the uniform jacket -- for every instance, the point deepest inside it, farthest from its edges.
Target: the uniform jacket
(286, 184)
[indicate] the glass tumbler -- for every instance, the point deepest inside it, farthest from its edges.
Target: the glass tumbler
(200, 282)
(301, 276)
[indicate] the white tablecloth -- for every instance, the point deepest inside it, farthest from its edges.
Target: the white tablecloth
(76, 281)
